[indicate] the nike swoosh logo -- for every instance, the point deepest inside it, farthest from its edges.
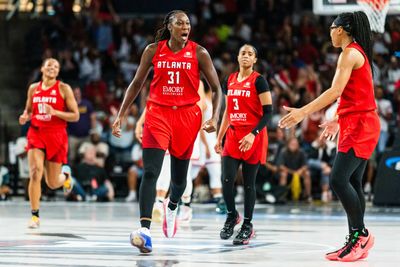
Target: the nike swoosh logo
(161, 55)
(364, 245)
(197, 113)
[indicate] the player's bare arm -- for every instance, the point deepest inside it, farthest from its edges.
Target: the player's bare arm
(135, 86)
(348, 60)
(26, 115)
(207, 68)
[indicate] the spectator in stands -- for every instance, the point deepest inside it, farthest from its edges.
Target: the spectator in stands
(135, 172)
(92, 179)
(293, 161)
(69, 69)
(102, 148)
(320, 161)
(23, 166)
(78, 132)
(121, 147)
(385, 111)
(4, 183)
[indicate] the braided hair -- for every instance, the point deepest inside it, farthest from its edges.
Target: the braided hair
(163, 32)
(357, 25)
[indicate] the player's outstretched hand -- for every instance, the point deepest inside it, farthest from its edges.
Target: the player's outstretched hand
(331, 128)
(294, 116)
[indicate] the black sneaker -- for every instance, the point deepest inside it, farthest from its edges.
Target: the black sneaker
(244, 235)
(227, 230)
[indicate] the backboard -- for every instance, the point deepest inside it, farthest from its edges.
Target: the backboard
(334, 7)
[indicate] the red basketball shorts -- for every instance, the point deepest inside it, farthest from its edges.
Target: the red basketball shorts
(54, 141)
(359, 131)
(256, 154)
(173, 128)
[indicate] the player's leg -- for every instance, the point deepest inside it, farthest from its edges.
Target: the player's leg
(179, 172)
(347, 166)
(36, 162)
(152, 163)
(246, 232)
(185, 211)
(162, 188)
(230, 167)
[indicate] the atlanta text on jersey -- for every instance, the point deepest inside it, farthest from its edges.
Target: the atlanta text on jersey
(174, 65)
(238, 92)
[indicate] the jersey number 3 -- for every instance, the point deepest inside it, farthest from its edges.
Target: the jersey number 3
(236, 104)
(173, 77)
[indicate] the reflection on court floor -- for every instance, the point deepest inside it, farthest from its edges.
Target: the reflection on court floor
(91, 234)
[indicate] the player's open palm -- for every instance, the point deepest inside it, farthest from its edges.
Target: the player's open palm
(294, 116)
(331, 128)
(246, 142)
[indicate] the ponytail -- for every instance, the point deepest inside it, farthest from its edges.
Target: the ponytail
(361, 31)
(357, 25)
(163, 32)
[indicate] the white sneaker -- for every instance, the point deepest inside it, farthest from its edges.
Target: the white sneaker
(158, 212)
(185, 214)
(239, 198)
(367, 188)
(170, 222)
(131, 197)
(326, 196)
(34, 223)
(141, 239)
(270, 198)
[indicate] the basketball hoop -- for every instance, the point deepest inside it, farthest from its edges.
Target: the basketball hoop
(376, 11)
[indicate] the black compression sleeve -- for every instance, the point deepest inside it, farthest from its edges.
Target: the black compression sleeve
(267, 115)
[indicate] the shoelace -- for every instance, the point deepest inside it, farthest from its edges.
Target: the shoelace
(244, 232)
(352, 242)
(171, 214)
(229, 223)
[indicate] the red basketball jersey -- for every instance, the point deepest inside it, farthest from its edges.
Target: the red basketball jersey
(176, 76)
(243, 104)
(52, 97)
(358, 95)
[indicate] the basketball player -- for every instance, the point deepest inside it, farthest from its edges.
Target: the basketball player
(208, 158)
(173, 118)
(248, 110)
(357, 122)
(164, 179)
(49, 106)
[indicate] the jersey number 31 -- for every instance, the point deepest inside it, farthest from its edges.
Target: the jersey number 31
(173, 77)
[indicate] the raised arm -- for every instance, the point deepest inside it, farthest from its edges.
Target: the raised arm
(348, 60)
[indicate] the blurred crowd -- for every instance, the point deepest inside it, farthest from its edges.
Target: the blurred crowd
(99, 53)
